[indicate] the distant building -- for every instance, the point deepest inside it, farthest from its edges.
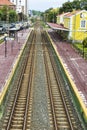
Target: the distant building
(8, 3)
(30, 13)
(21, 6)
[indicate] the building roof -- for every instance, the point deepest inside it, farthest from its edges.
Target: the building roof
(72, 13)
(75, 12)
(57, 26)
(63, 14)
(5, 2)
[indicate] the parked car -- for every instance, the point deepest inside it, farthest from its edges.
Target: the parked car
(2, 29)
(25, 24)
(15, 26)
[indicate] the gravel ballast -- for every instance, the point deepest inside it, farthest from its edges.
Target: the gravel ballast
(39, 117)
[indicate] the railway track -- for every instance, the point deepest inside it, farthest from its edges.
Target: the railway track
(38, 99)
(61, 111)
(18, 111)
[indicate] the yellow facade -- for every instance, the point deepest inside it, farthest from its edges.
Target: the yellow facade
(79, 28)
(76, 22)
(67, 22)
(58, 20)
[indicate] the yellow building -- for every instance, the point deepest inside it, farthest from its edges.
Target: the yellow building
(76, 22)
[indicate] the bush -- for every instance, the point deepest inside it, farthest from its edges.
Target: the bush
(84, 42)
(1, 41)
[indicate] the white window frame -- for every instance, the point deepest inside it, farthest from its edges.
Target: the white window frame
(84, 24)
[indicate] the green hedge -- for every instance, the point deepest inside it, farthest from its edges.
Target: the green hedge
(79, 48)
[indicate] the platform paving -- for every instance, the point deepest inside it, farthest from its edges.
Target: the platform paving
(7, 59)
(75, 64)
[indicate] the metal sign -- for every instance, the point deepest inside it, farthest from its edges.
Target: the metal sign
(9, 39)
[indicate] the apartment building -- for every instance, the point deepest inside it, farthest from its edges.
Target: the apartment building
(21, 5)
(6, 2)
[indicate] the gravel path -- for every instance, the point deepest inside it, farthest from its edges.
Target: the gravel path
(39, 118)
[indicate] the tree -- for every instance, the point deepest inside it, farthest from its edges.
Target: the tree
(1, 15)
(76, 4)
(83, 4)
(7, 14)
(5, 10)
(12, 16)
(69, 6)
(66, 7)
(34, 12)
(50, 15)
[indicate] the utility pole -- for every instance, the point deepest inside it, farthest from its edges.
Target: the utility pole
(26, 7)
(5, 40)
(16, 4)
(7, 19)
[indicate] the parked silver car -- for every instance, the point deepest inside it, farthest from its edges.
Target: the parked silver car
(2, 29)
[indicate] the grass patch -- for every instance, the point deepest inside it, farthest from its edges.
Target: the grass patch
(44, 25)
(79, 47)
(2, 40)
(1, 114)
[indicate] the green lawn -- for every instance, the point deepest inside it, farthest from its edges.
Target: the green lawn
(79, 47)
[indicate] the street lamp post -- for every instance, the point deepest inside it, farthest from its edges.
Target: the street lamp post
(83, 50)
(83, 42)
(7, 20)
(13, 37)
(5, 36)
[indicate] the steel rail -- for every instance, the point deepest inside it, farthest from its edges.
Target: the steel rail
(58, 82)
(57, 79)
(50, 91)
(29, 88)
(19, 84)
(51, 98)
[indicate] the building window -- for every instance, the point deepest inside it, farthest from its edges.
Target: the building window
(83, 24)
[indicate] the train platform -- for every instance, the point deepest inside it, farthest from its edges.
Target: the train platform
(9, 53)
(74, 63)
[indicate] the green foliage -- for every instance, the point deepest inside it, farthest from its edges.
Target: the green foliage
(79, 48)
(76, 4)
(5, 12)
(1, 41)
(83, 4)
(12, 16)
(50, 15)
(1, 14)
(67, 7)
(38, 13)
(33, 20)
(84, 42)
